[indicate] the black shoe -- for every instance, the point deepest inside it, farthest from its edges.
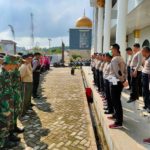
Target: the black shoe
(31, 105)
(105, 108)
(108, 112)
(145, 107)
(18, 130)
(13, 138)
(148, 110)
(36, 96)
(131, 100)
(128, 89)
(9, 144)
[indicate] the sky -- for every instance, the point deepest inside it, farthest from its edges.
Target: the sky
(52, 19)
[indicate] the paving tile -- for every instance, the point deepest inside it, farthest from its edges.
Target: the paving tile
(58, 120)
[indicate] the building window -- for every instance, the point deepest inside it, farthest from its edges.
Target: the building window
(84, 39)
(146, 43)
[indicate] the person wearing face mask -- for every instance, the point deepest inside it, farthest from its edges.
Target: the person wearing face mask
(117, 80)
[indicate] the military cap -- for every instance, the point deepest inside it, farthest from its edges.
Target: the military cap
(12, 59)
(25, 56)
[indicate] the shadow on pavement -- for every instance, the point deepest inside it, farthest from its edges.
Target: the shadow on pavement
(34, 132)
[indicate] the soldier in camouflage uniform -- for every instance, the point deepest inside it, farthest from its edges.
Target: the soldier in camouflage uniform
(16, 84)
(7, 103)
(16, 92)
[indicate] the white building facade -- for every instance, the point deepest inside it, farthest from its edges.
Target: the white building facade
(120, 21)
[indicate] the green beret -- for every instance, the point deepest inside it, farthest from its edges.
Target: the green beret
(11, 59)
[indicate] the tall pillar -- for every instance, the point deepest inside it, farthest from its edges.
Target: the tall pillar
(107, 25)
(121, 26)
(100, 4)
(137, 34)
(95, 25)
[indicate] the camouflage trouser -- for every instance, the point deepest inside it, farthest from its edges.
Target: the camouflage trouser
(4, 133)
(17, 105)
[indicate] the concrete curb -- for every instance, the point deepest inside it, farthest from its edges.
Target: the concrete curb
(90, 126)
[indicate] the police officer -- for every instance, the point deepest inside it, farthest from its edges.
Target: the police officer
(130, 55)
(36, 73)
(109, 109)
(136, 72)
(118, 78)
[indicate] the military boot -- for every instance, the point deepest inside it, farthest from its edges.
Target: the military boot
(18, 130)
(9, 144)
(13, 138)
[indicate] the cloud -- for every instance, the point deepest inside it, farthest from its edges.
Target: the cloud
(39, 41)
(52, 18)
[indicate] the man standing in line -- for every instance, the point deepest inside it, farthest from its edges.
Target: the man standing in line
(36, 74)
(146, 81)
(146, 78)
(16, 85)
(10, 102)
(109, 109)
(136, 68)
(130, 55)
(26, 78)
(98, 61)
(118, 78)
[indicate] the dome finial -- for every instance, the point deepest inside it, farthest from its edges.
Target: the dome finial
(84, 12)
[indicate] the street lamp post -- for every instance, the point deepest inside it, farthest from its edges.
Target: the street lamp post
(49, 43)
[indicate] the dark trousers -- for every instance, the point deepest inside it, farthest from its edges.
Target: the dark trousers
(146, 91)
(36, 80)
(115, 91)
(101, 80)
(94, 76)
(136, 86)
(97, 78)
(129, 76)
(94, 72)
(26, 96)
(108, 95)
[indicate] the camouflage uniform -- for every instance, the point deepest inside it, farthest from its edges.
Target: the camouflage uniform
(10, 99)
(6, 106)
(16, 85)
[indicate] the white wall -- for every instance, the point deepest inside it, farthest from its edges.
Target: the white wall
(132, 4)
(145, 35)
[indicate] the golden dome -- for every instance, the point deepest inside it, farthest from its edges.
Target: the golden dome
(84, 22)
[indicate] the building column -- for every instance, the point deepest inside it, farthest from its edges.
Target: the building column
(137, 34)
(94, 35)
(107, 25)
(100, 4)
(121, 26)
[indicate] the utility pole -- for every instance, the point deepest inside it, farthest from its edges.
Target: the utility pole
(32, 30)
(49, 45)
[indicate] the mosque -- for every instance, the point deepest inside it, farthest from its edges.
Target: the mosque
(80, 37)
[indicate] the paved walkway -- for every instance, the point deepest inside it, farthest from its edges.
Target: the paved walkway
(60, 120)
